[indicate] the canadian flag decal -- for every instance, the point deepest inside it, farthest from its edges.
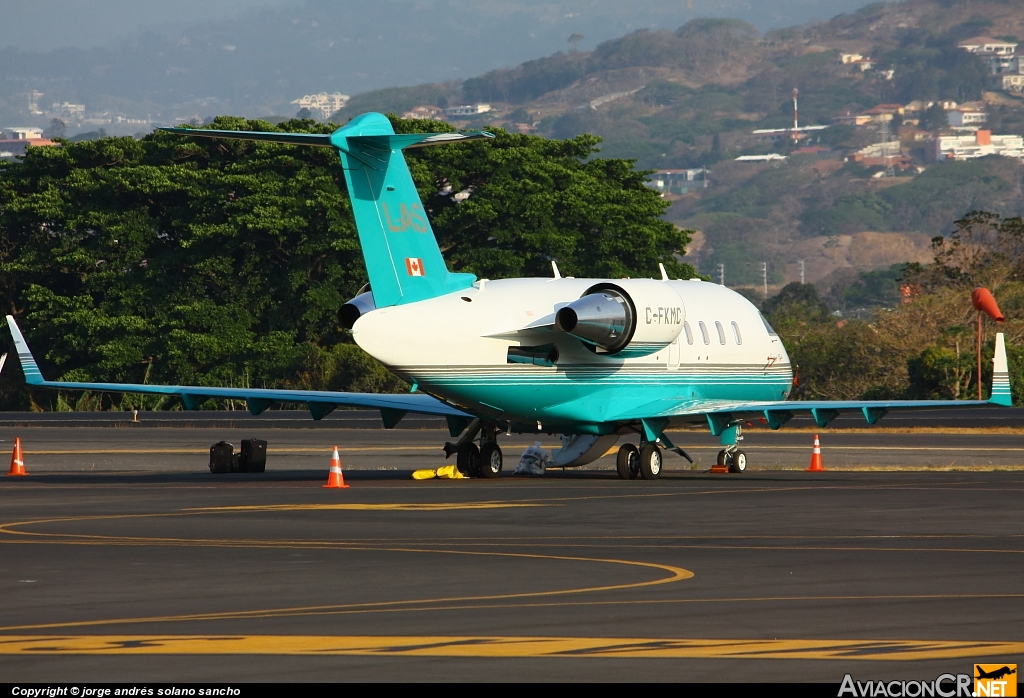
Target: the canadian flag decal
(414, 266)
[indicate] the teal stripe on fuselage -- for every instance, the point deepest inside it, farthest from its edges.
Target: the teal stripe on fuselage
(594, 393)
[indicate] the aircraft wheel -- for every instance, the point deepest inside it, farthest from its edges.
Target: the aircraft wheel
(650, 462)
(628, 462)
(738, 462)
(722, 457)
(490, 460)
(467, 460)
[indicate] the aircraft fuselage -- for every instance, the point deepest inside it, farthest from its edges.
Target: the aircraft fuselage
(488, 349)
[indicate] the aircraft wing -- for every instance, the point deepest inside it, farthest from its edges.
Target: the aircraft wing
(721, 413)
(320, 403)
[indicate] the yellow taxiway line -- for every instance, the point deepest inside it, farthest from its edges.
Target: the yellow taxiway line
(375, 449)
(503, 646)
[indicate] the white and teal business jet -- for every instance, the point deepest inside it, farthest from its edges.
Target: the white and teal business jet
(592, 359)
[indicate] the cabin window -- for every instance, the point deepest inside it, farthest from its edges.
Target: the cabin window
(721, 332)
(544, 355)
(736, 332)
(768, 327)
(704, 332)
(689, 333)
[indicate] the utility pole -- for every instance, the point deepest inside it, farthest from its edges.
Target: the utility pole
(764, 277)
(801, 263)
(796, 119)
(721, 275)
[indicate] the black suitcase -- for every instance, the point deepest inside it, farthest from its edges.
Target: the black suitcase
(223, 458)
(252, 458)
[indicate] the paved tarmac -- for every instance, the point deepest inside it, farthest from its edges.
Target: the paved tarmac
(122, 558)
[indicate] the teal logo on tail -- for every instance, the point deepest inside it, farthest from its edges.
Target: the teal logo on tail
(403, 262)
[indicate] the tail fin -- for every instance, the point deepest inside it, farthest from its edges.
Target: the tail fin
(403, 261)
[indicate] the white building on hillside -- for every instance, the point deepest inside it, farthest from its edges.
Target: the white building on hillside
(322, 103)
(22, 133)
(966, 117)
(467, 110)
(976, 145)
(679, 181)
(998, 54)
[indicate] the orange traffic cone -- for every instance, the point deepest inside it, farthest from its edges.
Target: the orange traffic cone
(335, 479)
(17, 463)
(816, 466)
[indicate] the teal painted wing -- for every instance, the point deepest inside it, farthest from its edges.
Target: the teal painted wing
(320, 403)
(721, 413)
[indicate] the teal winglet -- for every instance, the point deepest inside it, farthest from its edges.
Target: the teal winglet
(1001, 394)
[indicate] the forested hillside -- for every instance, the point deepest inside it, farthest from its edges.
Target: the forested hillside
(690, 98)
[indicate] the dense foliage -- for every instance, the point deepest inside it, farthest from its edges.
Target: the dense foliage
(177, 260)
(924, 348)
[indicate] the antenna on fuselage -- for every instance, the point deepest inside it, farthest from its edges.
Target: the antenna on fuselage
(664, 274)
(554, 269)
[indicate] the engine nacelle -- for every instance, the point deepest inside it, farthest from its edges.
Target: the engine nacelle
(356, 308)
(632, 317)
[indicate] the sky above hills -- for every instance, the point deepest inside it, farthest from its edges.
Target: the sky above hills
(42, 25)
(195, 58)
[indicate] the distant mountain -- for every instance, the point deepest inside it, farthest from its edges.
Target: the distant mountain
(256, 63)
(690, 98)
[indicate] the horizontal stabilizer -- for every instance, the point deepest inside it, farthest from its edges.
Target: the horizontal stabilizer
(318, 139)
(383, 141)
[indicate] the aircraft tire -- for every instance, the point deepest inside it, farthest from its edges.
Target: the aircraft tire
(738, 462)
(467, 460)
(490, 460)
(650, 462)
(627, 462)
(722, 457)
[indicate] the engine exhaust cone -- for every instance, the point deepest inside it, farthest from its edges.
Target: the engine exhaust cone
(604, 319)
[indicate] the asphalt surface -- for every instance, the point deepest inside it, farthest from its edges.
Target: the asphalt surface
(122, 558)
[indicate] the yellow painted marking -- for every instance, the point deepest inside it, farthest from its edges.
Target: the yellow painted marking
(408, 506)
(191, 451)
(503, 646)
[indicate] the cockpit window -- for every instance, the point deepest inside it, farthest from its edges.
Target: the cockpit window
(768, 327)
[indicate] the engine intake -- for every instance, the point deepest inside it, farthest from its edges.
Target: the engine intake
(356, 308)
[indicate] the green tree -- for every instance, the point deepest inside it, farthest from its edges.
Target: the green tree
(531, 200)
(179, 260)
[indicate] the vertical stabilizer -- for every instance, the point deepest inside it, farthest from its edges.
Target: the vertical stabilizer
(403, 261)
(1000, 375)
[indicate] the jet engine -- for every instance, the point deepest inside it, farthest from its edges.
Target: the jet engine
(356, 308)
(633, 317)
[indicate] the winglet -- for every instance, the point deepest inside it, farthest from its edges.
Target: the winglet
(1000, 375)
(28, 362)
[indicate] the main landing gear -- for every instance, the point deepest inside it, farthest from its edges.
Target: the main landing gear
(484, 460)
(734, 458)
(644, 462)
